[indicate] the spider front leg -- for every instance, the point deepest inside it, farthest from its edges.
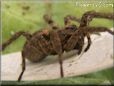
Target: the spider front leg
(89, 42)
(88, 16)
(93, 30)
(99, 29)
(14, 37)
(57, 47)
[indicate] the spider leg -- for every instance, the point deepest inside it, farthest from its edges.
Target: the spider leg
(23, 67)
(89, 42)
(72, 41)
(49, 21)
(40, 44)
(44, 44)
(14, 37)
(88, 16)
(57, 47)
(80, 44)
(93, 30)
(68, 19)
(99, 29)
(61, 65)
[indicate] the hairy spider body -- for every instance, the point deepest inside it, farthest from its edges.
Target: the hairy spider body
(40, 45)
(55, 42)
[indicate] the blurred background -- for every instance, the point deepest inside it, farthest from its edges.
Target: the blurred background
(27, 16)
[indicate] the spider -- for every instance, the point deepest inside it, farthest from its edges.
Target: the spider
(59, 39)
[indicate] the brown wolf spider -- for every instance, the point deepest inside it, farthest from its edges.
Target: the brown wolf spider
(43, 43)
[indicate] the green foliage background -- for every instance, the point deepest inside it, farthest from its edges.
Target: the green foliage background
(15, 18)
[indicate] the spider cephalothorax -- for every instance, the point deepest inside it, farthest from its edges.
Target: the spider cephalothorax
(60, 39)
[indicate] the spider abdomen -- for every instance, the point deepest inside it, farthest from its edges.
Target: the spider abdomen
(32, 53)
(34, 49)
